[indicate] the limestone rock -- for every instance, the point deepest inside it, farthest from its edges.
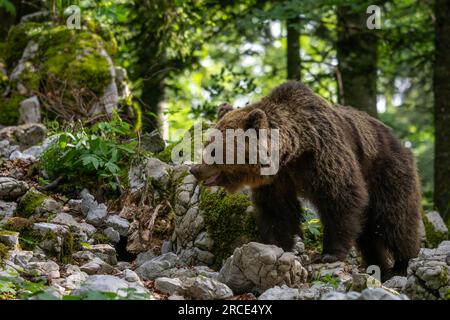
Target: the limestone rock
(257, 267)
(11, 189)
(429, 274)
(30, 111)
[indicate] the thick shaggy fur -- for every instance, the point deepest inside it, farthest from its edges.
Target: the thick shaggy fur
(349, 165)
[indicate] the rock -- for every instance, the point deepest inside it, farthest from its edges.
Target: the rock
(155, 267)
(74, 280)
(109, 100)
(150, 169)
(131, 276)
(36, 151)
(361, 281)
(11, 189)
(17, 155)
(153, 142)
(202, 288)
(428, 274)
(96, 216)
(47, 206)
(103, 251)
(280, 293)
(7, 210)
(48, 269)
(299, 246)
(334, 295)
(436, 230)
(168, 285)
(97, 266)
(396, 283)
(36, 203)
(66, 219)
(88, 202)
(166, 247)
(87, 228)
(30, 111)
(380, 294)
(111, 284)
(123, 265)
(258, 267)
(44, 228)
(119, 224)
(112, 235)
(25, 135)
(21, 258)
(6, 148)
(144, 257)
(10, 239)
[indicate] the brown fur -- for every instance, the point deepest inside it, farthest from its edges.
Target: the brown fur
(349, 165)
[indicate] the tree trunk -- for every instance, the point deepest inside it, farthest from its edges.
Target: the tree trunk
(441, 90)
(357, 59)
(293, 48)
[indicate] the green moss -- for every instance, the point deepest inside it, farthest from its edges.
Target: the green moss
(433, 238)
(7, 233)
(9, 109)
(74, 55)
(28, 238)
(18, 38)
(3, 251)
(99, 238)
(227, 221)
(67, 248)
(29, 202)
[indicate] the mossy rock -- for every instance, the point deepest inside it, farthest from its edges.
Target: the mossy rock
(29, 203)
(436, 233)
(18, 38)
(28, 238)
(227, 221)
(68, 63)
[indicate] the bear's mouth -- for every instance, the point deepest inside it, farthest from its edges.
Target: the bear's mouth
(211, 180)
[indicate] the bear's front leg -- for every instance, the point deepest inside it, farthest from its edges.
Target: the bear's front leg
(342, 219)
(278, 214)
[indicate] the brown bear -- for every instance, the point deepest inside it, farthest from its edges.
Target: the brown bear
(349, 165)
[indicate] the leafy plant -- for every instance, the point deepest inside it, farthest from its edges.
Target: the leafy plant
(101, 151)
(312, 230)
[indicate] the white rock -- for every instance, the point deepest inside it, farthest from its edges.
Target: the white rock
(119, 224)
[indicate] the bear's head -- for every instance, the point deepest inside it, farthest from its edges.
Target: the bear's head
(231, 157)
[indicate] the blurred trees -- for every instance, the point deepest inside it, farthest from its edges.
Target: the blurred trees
(442, 108)
(357, 55)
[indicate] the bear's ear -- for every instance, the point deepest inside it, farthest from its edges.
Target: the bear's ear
(256, 119)
(224, 108)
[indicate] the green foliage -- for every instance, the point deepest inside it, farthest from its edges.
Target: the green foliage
(99, 238)
(14, 287)
(227, 221)
(67, 248)
(312, 231)
(8, 6)
(3, 252)
(327, 279)
(9, 109)
(101, 153)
